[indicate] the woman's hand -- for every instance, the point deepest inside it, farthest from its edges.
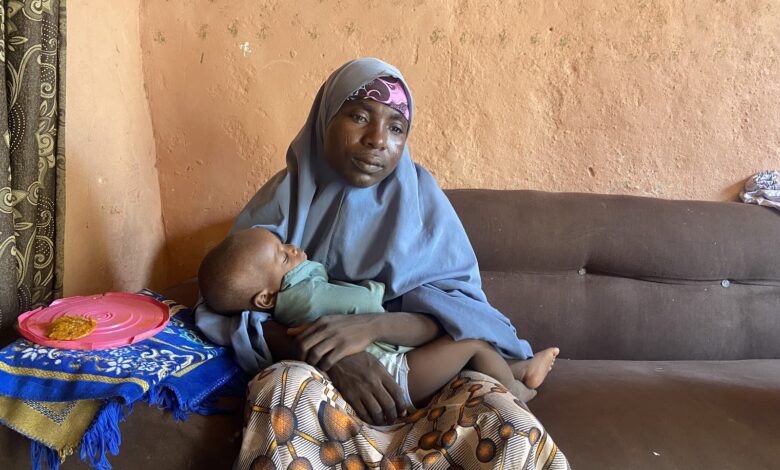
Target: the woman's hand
(330, 338)
(368, 388)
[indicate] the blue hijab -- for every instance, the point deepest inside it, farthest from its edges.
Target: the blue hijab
(402, 232)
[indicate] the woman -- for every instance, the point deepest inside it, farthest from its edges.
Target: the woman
(352, 198)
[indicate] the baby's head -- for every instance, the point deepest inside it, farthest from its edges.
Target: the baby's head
(245, 271)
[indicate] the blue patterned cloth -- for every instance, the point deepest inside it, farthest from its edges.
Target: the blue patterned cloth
(176, 369)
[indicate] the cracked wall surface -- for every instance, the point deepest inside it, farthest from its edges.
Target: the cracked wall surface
(666, 98)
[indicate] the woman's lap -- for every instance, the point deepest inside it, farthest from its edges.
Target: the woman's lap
(296, 419)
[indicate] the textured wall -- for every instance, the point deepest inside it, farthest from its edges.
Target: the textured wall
(114, 236)
(668, 98)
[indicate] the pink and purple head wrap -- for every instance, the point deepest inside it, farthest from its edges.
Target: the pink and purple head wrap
(385, 90)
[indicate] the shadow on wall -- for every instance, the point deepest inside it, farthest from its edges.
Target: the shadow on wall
(111, 243)
(187, 251)
(731, 193)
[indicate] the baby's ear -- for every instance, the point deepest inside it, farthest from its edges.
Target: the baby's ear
(265, 299)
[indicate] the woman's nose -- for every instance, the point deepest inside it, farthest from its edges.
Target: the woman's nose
(375, 136)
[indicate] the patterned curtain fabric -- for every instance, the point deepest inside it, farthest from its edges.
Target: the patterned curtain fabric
(32, 161)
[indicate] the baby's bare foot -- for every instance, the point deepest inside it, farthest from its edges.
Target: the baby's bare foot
(532, 372)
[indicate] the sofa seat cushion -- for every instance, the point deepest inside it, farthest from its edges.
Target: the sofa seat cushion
(664, 415)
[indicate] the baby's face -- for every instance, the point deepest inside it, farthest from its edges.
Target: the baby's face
(275, 259)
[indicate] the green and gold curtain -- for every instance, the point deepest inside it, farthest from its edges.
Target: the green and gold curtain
(32, 176)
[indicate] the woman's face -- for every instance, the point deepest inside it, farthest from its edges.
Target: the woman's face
(364, 141)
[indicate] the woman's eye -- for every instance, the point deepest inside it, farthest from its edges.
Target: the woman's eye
(286, 258)
(359, 118)
(397, 130)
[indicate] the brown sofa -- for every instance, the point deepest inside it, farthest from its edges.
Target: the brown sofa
(667, 314)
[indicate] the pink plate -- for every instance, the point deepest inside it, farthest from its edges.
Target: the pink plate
(122, 319)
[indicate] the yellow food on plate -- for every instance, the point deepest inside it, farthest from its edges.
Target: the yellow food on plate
(69, 328)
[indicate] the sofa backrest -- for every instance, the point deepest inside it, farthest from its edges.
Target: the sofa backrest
(625, 277)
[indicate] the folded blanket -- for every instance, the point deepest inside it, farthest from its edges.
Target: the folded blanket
(763, 189)
(58, 426)
(61, 398)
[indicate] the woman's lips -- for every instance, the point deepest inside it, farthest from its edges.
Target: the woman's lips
(369, 165)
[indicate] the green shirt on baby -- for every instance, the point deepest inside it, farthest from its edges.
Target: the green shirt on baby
(306, 294)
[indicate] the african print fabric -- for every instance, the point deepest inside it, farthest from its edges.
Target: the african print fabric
(295, 419)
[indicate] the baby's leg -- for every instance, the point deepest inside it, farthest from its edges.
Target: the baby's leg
(433, 365)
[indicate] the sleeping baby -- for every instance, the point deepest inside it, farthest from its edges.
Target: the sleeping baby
(253, 270)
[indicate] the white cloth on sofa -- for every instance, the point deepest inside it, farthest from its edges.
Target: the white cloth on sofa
(763, 189)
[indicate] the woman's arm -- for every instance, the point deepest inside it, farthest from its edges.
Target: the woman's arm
(401, 328)
(330, 338)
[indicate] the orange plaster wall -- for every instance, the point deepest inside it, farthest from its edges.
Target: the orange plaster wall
(114, 237)
(667, 98)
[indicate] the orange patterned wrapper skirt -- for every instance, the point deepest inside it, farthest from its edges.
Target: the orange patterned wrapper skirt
(296, 419)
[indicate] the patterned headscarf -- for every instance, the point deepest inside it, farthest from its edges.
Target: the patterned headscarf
(385, 90)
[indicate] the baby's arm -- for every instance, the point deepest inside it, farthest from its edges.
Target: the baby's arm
(348, 298)
(334, 298)
(313, 298)
(394, 328)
